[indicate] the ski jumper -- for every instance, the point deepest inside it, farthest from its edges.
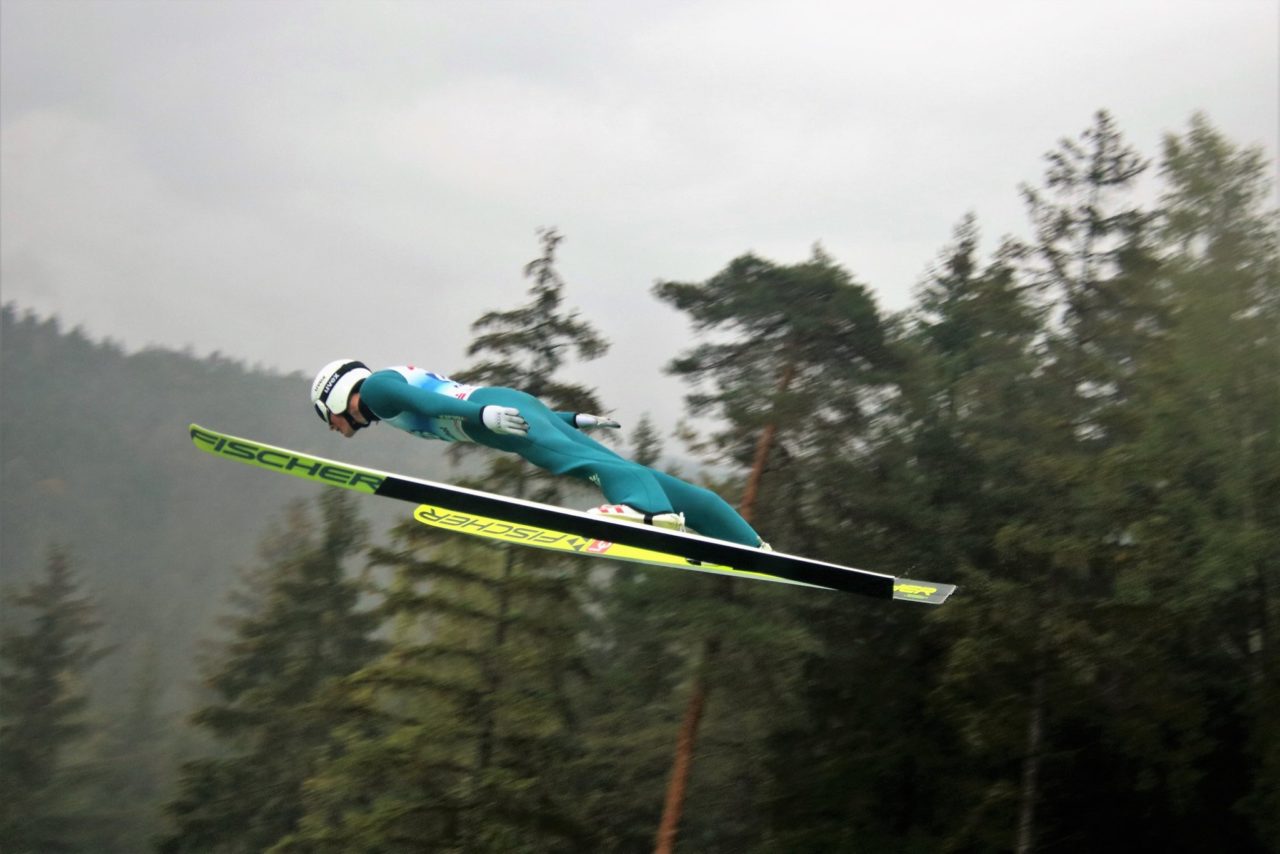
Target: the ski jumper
(432, 406)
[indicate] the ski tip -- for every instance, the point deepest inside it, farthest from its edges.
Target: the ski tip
(927, 592)
(204, 438)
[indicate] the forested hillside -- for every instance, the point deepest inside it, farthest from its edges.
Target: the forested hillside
(1078, 426)
(97, 462)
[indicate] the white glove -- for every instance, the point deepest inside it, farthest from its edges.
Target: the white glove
(582, 420)
(504, 420)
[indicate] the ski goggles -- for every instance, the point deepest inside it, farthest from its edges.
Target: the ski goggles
(326, 414)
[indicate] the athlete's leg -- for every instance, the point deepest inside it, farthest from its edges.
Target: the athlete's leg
(561, 449)
(706, 512)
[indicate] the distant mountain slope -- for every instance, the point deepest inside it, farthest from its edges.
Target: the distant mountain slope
(95, 456)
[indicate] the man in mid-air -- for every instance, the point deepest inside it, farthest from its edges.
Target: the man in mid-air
(349, 397)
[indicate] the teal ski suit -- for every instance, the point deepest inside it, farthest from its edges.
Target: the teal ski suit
(435, 407)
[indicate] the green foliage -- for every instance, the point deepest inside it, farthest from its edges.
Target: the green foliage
(799, 345)
(927, 487)
(646, 443)
(44, 659)
(458, 734)
(462, 732)
(301, 630)
(794, 356)
(135, 761)
(97, 457)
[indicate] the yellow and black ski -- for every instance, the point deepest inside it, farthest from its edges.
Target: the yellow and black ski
(542, 538)
(541, 525)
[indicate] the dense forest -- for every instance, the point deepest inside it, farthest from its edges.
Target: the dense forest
(1077, 425)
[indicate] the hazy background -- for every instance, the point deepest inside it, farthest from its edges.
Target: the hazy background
(289, 182)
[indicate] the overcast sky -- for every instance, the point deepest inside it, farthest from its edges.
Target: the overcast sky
(293, 181)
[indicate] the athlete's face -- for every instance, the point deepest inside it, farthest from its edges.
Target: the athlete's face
(345, 423)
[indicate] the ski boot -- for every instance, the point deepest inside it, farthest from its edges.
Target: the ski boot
(623, 513)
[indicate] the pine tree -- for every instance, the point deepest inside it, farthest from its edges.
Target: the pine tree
(300, 630)
(804, 343)
(800, 347)
(631, 708)
(43, 706)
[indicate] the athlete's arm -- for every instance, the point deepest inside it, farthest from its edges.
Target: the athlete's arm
(388, 394)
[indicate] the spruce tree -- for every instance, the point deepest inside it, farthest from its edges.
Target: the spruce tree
(299, 630)
(44, 660)
(1093, 266)
(1085, 642)
(1094, 260)
(925, 489)
(461, 734)
(1194, 491)
(138, 760)
(976, 444)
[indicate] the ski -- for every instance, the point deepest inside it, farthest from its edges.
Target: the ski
(558, 541)
(689, 551)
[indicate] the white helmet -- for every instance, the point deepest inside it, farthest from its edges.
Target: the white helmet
(332, 388)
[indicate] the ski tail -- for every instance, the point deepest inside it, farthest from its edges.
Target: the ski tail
(928, 592)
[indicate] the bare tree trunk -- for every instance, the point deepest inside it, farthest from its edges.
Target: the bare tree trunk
(764, 445)
(673, 806)
(1026, 842)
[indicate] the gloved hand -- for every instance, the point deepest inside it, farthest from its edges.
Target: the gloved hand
(583, 421)
(504, 420)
